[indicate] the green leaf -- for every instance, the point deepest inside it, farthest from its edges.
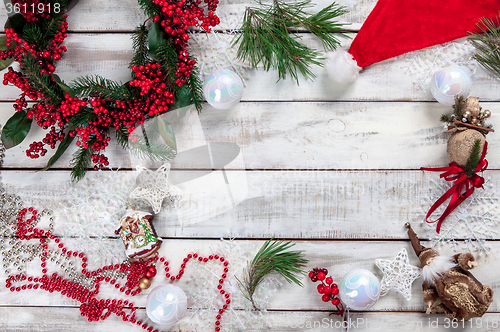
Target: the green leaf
(63, 85)
(17, 23)
(183, 97)
(16, 129)
(156, 37)
(167, 132)
(3, 47)
(63, 146)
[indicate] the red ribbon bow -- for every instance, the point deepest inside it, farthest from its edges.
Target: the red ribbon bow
(462, 188)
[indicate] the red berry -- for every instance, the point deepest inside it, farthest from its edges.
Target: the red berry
(334, 285)
(327, 290)
(321, 289)
(335, 301)
(335, 290)
(311, 274)
(329, 280)
(325, 298)
(321, 276)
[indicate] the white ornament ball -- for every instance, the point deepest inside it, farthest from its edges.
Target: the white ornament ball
(223, 89)
(359, 289)
(450, 82)
(166, 305)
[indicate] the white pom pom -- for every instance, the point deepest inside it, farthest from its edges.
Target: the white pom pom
(341, 66)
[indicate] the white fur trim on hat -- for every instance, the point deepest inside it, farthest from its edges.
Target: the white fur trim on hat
(341, 66)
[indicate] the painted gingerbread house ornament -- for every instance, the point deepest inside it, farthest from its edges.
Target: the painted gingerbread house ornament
(138, 234)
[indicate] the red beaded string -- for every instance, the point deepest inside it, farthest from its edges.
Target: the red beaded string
(91, 307)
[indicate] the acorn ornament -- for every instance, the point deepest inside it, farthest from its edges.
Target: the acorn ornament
(466, 151)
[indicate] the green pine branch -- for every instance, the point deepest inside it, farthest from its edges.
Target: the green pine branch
(473, 160)
(32, 34)
(100, 86)
(41, 82)
(273, 257)
(196, 86)
(168, 57)
(269, 36)
(81, 162)
(149, 8)
(139, 43)
(487, 45)
(52, 26)
(144, 149)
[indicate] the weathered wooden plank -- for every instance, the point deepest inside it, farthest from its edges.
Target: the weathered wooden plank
(109, 54)
(339, 257)
(319, 205)
(298, 135)
(125, 15)
(38, 319)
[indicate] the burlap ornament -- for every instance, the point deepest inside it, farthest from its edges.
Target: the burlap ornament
(460, 145)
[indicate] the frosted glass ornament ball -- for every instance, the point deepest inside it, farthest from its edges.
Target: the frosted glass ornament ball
(166, 305)
(223, 89)
(449, 82)
(359, 289)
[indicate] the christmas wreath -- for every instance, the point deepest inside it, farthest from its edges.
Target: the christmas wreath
(164, 78)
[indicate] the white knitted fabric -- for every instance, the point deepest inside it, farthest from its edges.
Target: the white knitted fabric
(398, 274)
(154, 187)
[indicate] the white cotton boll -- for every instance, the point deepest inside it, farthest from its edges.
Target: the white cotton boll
(341, 66)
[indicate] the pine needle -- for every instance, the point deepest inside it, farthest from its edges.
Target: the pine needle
(139, 43)
(272, 258)
(487, 44)
(100, 86)
(80, 163)
(473, 160)
(143, 149)
(41, 82)
(270, 36)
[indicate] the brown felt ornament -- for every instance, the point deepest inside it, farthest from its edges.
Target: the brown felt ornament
(461, 144)
(448, 286)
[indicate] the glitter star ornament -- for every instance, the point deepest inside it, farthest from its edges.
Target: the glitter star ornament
(398, 274)
(154, 187)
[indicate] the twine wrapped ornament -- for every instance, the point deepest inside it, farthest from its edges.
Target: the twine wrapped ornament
(466, 151)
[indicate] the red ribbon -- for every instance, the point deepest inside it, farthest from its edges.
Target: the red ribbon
(462, 188)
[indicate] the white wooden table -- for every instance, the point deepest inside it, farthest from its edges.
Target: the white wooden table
(333, 168)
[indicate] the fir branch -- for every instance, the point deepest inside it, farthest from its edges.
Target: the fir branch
(196, 86)
(487, 45)
(100, 86)
(447, 118)
(144, 149)
(139, 42)
(53, 25)
(270, 36)
(168, 57)
(473, 160)
(41, 82)
(32, 34)
(80, 163)
(149, 8)
(458, 108)
(272, 258)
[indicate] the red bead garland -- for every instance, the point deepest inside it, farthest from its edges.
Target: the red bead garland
(91, 307)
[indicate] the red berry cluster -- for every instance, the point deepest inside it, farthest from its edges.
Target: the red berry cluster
(151, 80)
(91, 307)
(329, 290)
(30, 9)
(176, 18)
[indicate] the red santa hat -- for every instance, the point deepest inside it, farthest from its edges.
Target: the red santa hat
(395, 27)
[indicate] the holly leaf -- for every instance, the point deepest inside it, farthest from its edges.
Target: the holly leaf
(16, 129)
(17, 23)
(3, 47)
(62, 85)
(156, 37)
(167, 132)
(63, 146)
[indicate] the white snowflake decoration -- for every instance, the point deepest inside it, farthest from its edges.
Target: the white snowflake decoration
(206, 303)
(154, 187)
(475, 220)
(422, 64)
(398, 274)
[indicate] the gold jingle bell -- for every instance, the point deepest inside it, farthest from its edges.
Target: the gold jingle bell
(486, 114)
(144, 283)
